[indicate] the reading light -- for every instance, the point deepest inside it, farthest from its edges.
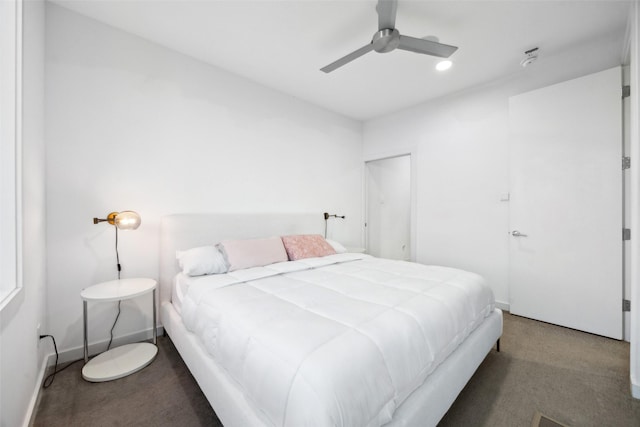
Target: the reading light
(326, 217)
(444, 65)
(125, 220)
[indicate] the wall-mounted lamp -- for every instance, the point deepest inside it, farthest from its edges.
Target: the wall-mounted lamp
(326, 218)
(125, 220)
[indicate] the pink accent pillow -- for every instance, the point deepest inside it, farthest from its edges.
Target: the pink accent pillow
(252, 253)
(306, 246)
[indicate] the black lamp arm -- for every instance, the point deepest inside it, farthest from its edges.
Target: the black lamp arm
(327, 216)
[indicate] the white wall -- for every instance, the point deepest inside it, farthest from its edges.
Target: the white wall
(21, 359)
(461, 144)
(132, 125)
(461, 171)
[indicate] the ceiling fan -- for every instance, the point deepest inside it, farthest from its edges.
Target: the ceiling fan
(388, 38)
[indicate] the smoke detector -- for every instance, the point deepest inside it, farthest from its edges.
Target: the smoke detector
(530, 56)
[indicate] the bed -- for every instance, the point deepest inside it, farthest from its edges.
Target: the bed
(253, 376)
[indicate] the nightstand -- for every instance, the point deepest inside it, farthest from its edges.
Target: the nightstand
(124, 360)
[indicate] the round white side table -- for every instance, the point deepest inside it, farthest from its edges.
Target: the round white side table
(126, 359)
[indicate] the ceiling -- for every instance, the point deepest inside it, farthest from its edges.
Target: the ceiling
(283, 44)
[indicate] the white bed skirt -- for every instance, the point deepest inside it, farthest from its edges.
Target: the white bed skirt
(424, 407)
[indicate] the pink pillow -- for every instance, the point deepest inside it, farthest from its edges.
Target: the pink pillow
(252, 253)
(306, 246)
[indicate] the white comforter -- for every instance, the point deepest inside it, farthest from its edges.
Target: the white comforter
(334, 341)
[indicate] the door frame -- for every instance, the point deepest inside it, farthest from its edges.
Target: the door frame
(412, 153)
(627, 259)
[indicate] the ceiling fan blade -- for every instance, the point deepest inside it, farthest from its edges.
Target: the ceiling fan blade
(427, 47)
(348, 58)
(387, 14)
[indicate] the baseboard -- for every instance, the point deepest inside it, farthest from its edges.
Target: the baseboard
(98, 347)
(504, 306)
(35, 397)
(635, 391)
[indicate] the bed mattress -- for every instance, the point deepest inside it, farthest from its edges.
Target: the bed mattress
(339, 340)
(180, 287)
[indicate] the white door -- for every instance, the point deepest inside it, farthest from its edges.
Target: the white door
(565, 262)
(389, 207)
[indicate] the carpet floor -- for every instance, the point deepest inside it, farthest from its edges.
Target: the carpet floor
(575, 378)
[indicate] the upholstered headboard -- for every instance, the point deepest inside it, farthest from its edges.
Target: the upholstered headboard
(185, 231)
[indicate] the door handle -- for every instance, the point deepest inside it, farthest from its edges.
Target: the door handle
(516, 233)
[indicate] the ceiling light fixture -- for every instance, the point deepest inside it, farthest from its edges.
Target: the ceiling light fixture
(444, 65)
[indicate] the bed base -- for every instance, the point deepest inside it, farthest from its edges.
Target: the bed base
(424, 407)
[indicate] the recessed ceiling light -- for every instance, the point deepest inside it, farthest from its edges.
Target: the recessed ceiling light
(443, 65)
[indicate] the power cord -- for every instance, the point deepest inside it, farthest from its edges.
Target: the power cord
(118, 315)
(49, 379)
(117, 255)
(113, 326)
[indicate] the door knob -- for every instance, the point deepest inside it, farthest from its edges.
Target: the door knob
(516, 233)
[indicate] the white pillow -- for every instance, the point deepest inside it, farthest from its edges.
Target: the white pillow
(202, 260)
(337, 246)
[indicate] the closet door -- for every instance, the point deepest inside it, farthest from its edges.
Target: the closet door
(565, 262)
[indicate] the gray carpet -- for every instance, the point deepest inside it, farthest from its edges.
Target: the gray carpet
(578, 379)
(575, 378)
(162, 394)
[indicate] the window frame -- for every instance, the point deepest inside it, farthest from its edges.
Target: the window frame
(11, 283)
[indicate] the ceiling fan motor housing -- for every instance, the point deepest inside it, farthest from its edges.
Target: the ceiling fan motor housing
(386, 40)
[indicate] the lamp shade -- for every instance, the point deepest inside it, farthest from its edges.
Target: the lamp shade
(127, 220)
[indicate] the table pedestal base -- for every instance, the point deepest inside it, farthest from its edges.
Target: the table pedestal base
(119, 362)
